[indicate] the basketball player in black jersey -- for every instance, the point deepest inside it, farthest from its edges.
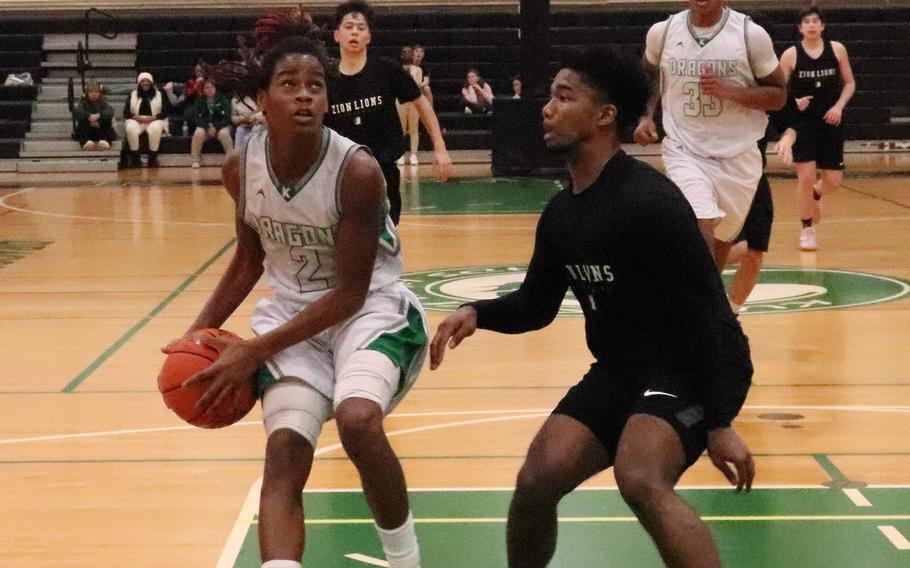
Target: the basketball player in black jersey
(821, 83)
(362, 99)
(671, 364)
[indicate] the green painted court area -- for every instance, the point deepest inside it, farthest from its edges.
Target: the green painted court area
(477, 196)
(766, 528)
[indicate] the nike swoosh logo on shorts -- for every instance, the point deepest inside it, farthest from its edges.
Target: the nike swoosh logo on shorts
(649, 392)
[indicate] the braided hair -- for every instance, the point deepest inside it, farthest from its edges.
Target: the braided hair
(277, 34)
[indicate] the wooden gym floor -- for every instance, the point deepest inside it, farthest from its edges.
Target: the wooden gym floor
(96, 275)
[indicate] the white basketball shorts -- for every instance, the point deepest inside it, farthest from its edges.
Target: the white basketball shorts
(376, 354)
(716, 188)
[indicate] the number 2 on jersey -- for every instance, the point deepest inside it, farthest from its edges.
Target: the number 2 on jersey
(700, 104)
(313, 276)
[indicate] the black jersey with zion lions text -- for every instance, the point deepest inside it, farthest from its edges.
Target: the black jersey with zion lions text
(362, 106)
(819, 78)
(630, 250)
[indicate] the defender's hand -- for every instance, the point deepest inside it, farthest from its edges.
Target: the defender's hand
(726, 447)
(452, 330)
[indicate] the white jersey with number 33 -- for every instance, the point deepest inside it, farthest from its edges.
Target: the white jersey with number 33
(298, 225)
(705, 125)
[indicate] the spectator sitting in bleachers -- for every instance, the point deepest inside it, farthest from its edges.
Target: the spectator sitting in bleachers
(213, 120)
(419, 54)
(516, 87)
(144, 113)
(177, 106)
(94, 120)
(476, 95)
(182, 99)
(247, 118)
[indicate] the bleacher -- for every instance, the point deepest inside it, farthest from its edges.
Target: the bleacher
(21, 54)
(170, 55)
(167, 46)
(876, 38)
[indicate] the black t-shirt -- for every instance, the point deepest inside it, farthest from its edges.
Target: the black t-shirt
(820, 78)
(630, 250)
(362, 106)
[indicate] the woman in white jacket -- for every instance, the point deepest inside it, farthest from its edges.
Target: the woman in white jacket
(143, 113)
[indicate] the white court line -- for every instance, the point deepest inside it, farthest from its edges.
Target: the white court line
(251, 504)
(897, 539)
(633, 519)
(3, 203)
(898, 409)
(486, 227)
(858, 498)
(238, 532)
(366, 559)
(105, 433)
(241, 524)
(591, 488)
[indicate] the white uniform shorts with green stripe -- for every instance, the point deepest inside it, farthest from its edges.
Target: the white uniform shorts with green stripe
(376, 354)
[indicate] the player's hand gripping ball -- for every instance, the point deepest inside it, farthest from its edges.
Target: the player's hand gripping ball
(186, 357)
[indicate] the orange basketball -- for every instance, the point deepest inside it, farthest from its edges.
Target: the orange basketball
(186, 358)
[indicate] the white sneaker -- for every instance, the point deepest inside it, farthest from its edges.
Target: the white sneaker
(102, 145)
(807, 240)
(414, 160)
(195, 165)
(88, 145)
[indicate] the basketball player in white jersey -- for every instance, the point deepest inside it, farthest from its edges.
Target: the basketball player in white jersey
(718, 75)
(340, 336)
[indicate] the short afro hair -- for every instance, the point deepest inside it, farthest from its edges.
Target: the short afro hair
(618, 79)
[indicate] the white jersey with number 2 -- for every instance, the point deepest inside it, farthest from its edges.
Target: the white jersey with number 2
(297, 224)
(705, 125)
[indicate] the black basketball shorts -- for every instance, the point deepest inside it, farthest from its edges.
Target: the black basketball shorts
(604, 403)
(819, 142)
(757, 228)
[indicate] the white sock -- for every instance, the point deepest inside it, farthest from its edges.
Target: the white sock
(281, 564)
(735, 307)
(400, 545)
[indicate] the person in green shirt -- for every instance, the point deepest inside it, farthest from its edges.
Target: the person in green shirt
(213, 120)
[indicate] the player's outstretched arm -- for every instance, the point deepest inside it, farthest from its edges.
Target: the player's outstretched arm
(834, 115)
(441, 159)
(452, 331)
(646, 131)
(785, 146)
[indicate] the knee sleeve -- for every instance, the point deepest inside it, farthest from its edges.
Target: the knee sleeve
(294, 404)
(370, 375)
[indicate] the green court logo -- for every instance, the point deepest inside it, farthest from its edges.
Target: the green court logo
(11, 251)
(779, 290)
